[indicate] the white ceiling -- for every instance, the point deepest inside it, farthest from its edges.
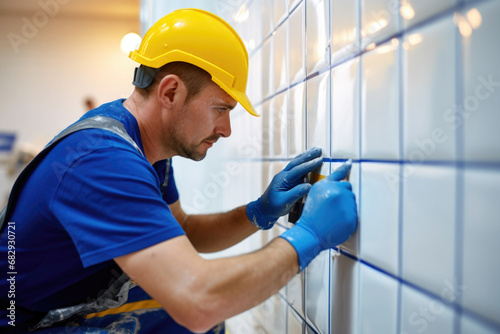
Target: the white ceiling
(110, 9)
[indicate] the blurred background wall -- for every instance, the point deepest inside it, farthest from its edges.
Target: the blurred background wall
(54, 54)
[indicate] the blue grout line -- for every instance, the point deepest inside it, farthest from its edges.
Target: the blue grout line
(399, 34)
(297, 313)
(400, 183)
(457, 308)
(305, 79)
(329, 291)
(359, 112)
(329, 92)
(459, 164)
(459, 191)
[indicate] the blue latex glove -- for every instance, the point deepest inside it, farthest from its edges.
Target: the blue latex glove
(328, 219)
(285, 189)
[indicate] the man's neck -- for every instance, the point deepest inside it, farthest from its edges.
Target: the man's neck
(149, 120)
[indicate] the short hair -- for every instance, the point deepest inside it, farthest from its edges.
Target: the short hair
(192, 76)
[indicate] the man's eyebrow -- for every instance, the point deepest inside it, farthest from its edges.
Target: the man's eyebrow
(225, 105)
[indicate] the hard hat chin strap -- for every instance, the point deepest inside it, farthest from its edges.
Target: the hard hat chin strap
(144, 76)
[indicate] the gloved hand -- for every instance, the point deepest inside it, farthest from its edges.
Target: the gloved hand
(285, 189)
(328, 219)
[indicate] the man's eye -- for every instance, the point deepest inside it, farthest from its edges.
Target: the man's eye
(220, 110)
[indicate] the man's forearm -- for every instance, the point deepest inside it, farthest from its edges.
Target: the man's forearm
(200, 293)
(250, 279)
(214, 232)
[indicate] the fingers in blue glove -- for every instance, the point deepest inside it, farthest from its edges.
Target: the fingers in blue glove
(298, 192)
(303, 157)
(298, 172)
(346, 185)
(340, 173)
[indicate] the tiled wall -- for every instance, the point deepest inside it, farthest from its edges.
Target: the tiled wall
(408, 89)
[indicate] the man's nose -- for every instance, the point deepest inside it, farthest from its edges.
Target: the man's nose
(224, 126)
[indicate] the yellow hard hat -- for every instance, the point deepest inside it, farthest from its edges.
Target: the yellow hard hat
(202, 39)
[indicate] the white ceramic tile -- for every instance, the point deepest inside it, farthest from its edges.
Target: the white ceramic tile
(247, 136)
(226, 181)
(266, 16)
(280, 11)
(280, 58)
(482, 81)
(295, 323)
(261, 238)
(295, 293)
(428, 236)
(228, 147)
(260, 314)
(297, 44)
(422, 314)
(267, 174)
(274, 313)
(309, 329)
(255, 188)
(241, 323)
(297, 120)
(378, 302)
(416, 11)
(429, 92)
(317, 35)
(380, 103)
(318, 115)
(317, 283)
(344, 311)
(267, 130)
(345, 110)
(254, 85)
(471, 326)
(379, 212)
(279, 125)
(344, 29)
(267, 68)
(481, 272)
(223, 184)
(351, 245)
(379, 21)
(253, 26)
(202, 185)
(242, 25)
(292, 4)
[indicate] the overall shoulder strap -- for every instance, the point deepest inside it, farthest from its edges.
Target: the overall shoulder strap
(167, 171)
(96, 122)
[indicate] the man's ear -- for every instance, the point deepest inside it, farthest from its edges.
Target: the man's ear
(171, 91)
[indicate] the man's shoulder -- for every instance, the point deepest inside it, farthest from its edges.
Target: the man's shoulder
(87, 141)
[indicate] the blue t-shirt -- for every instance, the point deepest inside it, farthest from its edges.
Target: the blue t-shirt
(93, 198)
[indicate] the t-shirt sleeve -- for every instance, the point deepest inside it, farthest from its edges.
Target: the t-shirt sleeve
(109, 201)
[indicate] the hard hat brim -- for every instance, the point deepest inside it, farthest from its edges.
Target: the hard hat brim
(239, 96)
(243, 99)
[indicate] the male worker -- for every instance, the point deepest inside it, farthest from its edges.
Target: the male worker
(89, 244)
